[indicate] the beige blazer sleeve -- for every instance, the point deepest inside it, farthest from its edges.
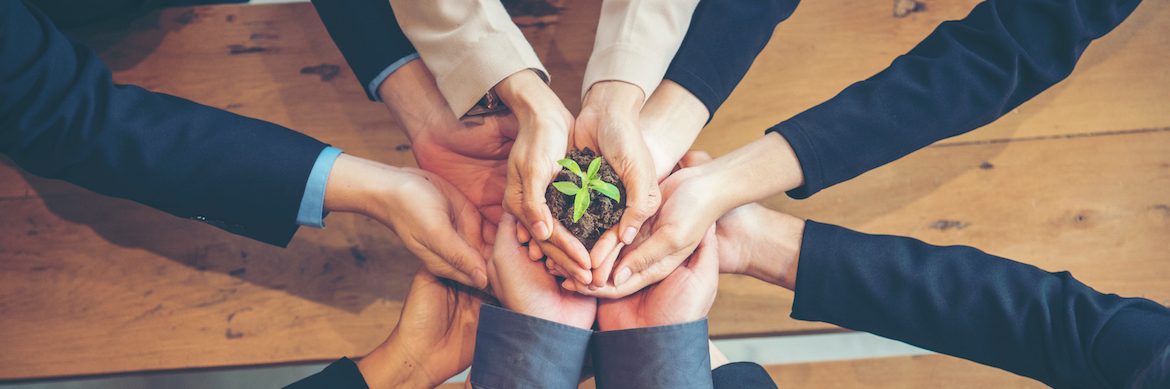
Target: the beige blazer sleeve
(469, 45)
(636, 40)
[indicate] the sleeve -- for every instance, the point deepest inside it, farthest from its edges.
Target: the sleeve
(513, 350)
(342, 374)
(965, 74)
(635, 41)
(61, 116)
(469, 45)
(670, 356)
(962, 302)
(711, 62)
(742, 375)
(368, 36)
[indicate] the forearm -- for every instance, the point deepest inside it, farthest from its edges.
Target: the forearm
(671, 120)
(962, 302)
(762, 168)
(964, 75)
(468, 45)
(636, 40)
(388, 366)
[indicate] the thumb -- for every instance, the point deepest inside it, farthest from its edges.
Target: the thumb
(694, 158)
(454, 258)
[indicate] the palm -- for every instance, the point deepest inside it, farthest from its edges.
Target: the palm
(471, 154)
(524, 286)
(438, 324)
(685, 295)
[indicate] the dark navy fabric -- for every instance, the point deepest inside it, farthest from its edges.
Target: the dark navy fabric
(341, 374)
(960, 301)
(742, 375)
(513, 350)
(723, 40)
(61, 116)
(670, 356)
(367, 34)
(965, 74)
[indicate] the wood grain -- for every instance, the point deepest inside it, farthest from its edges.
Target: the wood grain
(92, 285)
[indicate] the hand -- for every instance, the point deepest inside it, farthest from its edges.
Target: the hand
(432, 218)
(684, 296)
(524, 286)
(471, 153)
(433, 341)
(545, 129)
(759, 242)
(671, 120)
(609, 124)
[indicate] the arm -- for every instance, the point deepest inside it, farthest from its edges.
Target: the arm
(954, 300)
(368, 36)
(432, 342)
(469, 45)
(61, 116)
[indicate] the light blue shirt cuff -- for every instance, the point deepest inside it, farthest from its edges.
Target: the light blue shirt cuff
(377, 81)
(312, 212)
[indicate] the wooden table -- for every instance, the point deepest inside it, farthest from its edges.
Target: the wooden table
(1077, 179)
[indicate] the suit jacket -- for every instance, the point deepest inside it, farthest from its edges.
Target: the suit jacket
(711, 60)
(965, 74)
(962, 302)
(367, 35)
(61, 116)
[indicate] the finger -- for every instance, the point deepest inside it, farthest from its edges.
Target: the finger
(570, 268)
(534, 209)
(464, 264)
(603, 270)
(642, 201)
(663, 245)
(571, 247)
(534, 252)
(606, 244)
(522, 234)
(694, 158)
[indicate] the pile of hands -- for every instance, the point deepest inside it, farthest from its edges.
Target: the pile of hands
(475, 214)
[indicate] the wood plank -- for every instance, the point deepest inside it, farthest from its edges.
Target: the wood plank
(923, 371)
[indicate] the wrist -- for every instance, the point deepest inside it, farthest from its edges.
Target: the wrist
(362, 186)
(615, 98)
(391, 367)
(758, 170)
(525, 92)
(412, 96)
(775, 260)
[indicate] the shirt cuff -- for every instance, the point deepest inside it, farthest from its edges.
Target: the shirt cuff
(312, 212)
(377, 81)
(670, 356)
(514, 350)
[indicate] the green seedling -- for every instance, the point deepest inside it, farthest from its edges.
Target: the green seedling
(589, 181)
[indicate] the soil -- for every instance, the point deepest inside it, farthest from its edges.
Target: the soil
(603, 212)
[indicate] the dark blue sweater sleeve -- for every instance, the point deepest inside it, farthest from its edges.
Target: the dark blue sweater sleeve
(61, 116)
(367, 34)
(965, 74)
(962, 302)
(723, 40)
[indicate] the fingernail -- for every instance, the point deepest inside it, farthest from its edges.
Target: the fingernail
(479, 278)
(593, 287)
(542, 230)
(568, 284)
(628, 236)
(622, 275)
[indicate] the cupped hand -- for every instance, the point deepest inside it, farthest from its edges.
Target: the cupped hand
(471, 153)
(434, 339)
(433, 218)
(609, 123)
(692, 206)
(524, 286)
(545, 129)
(685, 295)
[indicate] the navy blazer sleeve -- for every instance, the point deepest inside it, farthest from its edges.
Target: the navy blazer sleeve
(341, 374)
(965, 74)
(61, 116)
(723, 40)
(367, 34)
(962, 302)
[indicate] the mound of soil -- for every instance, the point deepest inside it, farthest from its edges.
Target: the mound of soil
(603, 212)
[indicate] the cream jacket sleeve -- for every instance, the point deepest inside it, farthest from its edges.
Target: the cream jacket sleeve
(636, 40)
(469, 45)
